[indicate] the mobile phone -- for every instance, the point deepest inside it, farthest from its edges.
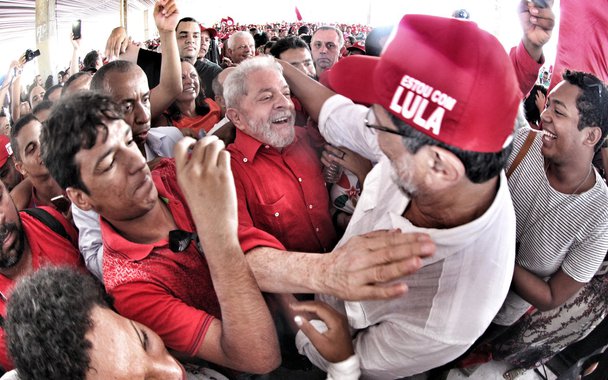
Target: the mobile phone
(76, 30)
(61, 203)
(29, 54)
(540, 3)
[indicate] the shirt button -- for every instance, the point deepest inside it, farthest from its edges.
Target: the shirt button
(267, 146)
(300, 179)
(245, 159)
(310, 206)
(317, 229)
(276, 214)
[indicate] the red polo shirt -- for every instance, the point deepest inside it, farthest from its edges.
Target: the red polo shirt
(47, 248)
(169, 292)
(282, 199)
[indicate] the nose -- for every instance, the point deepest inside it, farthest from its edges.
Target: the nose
(142, 113)
(135, 160)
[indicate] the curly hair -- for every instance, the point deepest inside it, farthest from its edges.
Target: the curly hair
(48, 316)
(74, 125)
(480, 167)
(592, 103)
(532, 111)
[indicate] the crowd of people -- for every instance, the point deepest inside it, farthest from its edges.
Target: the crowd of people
(302, 201)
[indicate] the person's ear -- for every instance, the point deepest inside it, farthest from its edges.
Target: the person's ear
(593, 136)
(444, 167)
(79, 198)
(235, 117)
(20, 168)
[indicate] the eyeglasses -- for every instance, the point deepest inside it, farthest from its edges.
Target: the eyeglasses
(590, 83)
(381, 127)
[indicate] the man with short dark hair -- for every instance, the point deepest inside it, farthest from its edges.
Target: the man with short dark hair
(188, 37)
(171, 267)
(295, 51)
(39, 188)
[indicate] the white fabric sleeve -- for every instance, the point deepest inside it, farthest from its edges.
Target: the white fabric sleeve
(342, 123)
(345, 370)
(89, 240)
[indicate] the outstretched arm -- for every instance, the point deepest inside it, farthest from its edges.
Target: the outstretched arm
(166, 16)
(245, 339)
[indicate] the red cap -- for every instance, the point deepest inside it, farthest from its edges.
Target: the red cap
(358, 45)
(5, 149)
(212, 32)
(444, 77)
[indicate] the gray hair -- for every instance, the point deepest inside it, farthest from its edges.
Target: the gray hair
(235, 85)
(338, 32)
(240, 33)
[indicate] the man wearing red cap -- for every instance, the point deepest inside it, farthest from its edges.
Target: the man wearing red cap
(441, 126)
(9, 175)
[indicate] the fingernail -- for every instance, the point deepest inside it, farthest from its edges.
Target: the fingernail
(298, 320)
(534, 11)
(533, 19)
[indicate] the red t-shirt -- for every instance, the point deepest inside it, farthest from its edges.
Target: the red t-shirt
(282, 199)
(47, 248)
(205, 122)
(171, 293)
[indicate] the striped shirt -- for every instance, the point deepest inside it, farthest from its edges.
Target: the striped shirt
(554, 230)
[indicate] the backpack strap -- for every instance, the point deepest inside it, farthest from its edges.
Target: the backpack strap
(48, 220)
(522, 153)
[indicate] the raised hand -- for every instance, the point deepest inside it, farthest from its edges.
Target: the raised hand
(537, 24)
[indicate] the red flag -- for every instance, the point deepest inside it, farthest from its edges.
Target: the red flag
(298, 14)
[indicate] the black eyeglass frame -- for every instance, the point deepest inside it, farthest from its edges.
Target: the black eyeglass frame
(382, 128)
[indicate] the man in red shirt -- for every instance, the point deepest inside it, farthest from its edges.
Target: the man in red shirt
(155, 267)
(27, 244)
(283, 202)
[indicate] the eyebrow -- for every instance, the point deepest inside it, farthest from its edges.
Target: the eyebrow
(559, 102)
(141, 339)
(109, 151)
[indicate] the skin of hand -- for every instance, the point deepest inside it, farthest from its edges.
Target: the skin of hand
(537, 25)
(348, 275)
(204, 175)
(166, 15)
(347, 159)
(335, 345)
(117, 43)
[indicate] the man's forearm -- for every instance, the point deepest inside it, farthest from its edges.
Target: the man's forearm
(279, 271)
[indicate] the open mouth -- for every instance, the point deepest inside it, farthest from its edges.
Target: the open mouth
(281, 119)
(548, 135)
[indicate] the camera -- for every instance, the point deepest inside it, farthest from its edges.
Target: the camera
(29, 54)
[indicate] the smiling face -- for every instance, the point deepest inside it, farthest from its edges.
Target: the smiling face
(562, 138)
(190, 83)
(116, 175)
(243, 48)
(266, 112)
(124, 349)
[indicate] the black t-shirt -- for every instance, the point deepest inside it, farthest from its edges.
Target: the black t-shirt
(150, 63)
